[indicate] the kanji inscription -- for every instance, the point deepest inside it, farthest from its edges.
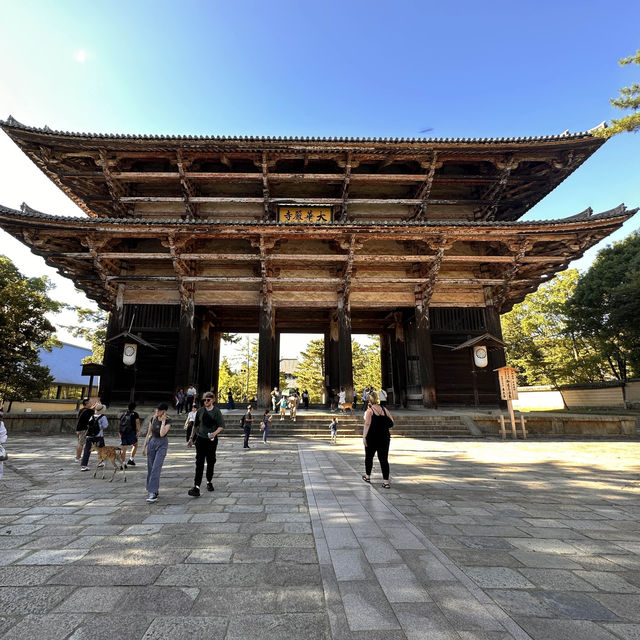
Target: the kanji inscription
(305, 215)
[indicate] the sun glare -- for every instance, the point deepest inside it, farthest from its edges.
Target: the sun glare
(81, 55)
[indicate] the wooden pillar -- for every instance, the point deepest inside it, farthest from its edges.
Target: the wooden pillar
(385, 360)
(215, 338)
(425, 355)
(112, 359)
(266, 350)
(275, 369)
(492, 318)
(497, 357)
(399, 362)
(207, 356)
(345, 356)
(331, 361)
(184, 357)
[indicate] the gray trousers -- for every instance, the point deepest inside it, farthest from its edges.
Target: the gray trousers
(156, 452)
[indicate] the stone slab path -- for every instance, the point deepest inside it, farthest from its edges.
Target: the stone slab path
(475, 540)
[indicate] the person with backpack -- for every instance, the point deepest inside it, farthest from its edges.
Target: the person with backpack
(96, 425)
(81, 427)
(129, 432)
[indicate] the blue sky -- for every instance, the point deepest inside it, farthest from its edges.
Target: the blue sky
(385, 69)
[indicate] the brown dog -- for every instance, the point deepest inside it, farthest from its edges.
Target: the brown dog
(346, 405)
(113, 455)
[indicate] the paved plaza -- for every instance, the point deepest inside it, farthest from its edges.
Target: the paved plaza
(475, 540)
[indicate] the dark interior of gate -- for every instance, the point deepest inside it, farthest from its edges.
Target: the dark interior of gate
(159, 367)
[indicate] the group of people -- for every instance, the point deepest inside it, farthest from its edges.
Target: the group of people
(202, 427)
(184, 401)
(338, 399)
(290, 402)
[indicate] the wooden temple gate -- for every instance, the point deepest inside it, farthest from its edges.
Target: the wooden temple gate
(419, 241)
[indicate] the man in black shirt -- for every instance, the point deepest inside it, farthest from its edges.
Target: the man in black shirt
(207, 425)
(81, 428)
(247, 419)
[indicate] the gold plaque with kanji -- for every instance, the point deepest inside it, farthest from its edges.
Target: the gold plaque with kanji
(305, 215)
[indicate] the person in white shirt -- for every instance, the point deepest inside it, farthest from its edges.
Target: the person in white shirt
(3, 439)
(191, 397)
(382, 397)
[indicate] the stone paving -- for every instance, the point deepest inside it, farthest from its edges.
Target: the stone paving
(475, 540)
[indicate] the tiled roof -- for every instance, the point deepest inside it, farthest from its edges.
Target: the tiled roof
(27, 212)
(12, 123)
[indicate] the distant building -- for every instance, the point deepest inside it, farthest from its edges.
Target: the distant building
(65, 364)
(288, 368)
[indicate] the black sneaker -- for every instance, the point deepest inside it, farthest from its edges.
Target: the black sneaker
(131, 463)
(195, 492)
(209, 486)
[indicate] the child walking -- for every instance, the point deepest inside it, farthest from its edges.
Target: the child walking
(333, 427)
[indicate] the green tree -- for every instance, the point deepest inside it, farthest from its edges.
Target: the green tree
(243, 368)
(629, 98)
(310, 370)
(229, 379)
(604, 307)
(24, 330)
(92, 326)
(542, 347)
(366, 364)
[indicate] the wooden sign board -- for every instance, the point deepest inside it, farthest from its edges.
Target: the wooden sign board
(508, 379)
(305, 215)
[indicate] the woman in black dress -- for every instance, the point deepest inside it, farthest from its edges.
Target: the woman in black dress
(376, 438)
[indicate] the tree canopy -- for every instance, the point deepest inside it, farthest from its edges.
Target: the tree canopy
(629, 98)
(310, 370)
(24, 330)
(366, 365)
(581, 328)
(541, 347)
(92, 326)
(605, 307)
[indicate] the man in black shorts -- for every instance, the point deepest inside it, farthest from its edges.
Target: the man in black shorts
(130, 435)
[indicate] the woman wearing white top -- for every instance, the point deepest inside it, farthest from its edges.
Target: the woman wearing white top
(3, 439)
(190, 421)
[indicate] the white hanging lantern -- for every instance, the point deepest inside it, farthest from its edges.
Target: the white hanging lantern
(480, 356)
(129, 353)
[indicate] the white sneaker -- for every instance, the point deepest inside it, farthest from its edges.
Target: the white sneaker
(101, 464)
(84, 468)
(152, 497)
(77, 459)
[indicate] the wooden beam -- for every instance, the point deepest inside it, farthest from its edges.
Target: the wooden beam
(345, 189)
(116, 190)
(188, 190)
(494, 193)
(424, 191)
(519, 249)
(265, 186)
(293, 201)
(305, 258)
(424, 291)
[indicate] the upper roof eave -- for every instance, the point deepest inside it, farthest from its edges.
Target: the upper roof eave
(580, 220)
(12, 125)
